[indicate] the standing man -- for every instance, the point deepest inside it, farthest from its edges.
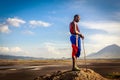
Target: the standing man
(75, 41)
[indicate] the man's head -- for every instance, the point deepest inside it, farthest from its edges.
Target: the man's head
(76, 18)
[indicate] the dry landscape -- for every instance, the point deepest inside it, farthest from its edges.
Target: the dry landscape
(30, 69)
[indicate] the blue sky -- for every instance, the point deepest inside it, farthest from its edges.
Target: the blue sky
(40, 28)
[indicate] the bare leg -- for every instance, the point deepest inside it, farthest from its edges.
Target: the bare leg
(74, 67)
(73, 61)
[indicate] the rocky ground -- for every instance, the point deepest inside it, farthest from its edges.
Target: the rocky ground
(83, 74)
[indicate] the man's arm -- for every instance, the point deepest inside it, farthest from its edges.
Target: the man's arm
(77, 32)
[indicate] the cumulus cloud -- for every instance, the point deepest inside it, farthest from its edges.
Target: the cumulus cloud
(104, 38)
(110, 27)
(16, 49)
(4, 28)
(59, 50)
(35, 23)
(4, 49)
(55, 50)
(99, 41)
(96, 41)
(13, 51)
(16, 22)
(51, 48)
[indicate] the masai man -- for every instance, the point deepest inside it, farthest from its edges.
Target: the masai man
(75, 41)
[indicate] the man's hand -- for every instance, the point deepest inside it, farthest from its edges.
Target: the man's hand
(82, 36)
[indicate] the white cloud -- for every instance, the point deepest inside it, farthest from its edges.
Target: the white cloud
(110, 27)
(54, 50)
(16, 49)
(35, 23)
(4, 49)
(13, 51)
(104, 39)
(28, 32)
(51, 48)
(99, 41)
(10, 49)
(15, 22)
(4, 28)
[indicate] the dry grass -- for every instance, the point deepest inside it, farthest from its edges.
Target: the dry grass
(47, 62)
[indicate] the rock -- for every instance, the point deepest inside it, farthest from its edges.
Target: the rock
(83, 74)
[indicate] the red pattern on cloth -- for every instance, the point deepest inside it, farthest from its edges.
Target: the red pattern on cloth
(72, 27)
(74, 50)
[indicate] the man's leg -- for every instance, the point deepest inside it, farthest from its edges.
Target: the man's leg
(73, 62)
(74, 52)
(74, 67)
(78, 51)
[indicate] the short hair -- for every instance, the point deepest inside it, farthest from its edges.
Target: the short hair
(76, 16)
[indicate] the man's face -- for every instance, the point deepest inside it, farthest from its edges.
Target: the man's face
(77, 19)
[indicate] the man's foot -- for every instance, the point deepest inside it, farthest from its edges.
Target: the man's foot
(76, 68)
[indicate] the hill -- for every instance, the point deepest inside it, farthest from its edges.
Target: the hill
(109, 52)
(72, 75)
(17, 57)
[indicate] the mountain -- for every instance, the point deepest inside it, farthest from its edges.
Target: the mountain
(17, 57)
(109, 52)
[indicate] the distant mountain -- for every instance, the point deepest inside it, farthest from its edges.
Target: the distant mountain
(18, 57)
(109, 52)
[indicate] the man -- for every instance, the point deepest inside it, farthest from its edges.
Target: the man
(75, 41)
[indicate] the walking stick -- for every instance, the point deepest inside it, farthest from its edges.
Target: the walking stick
(84, 54)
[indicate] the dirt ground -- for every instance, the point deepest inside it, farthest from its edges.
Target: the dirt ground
(29, 69)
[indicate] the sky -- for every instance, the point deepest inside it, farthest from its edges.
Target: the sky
(40, 28)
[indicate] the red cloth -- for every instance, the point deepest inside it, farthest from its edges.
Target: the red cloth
(74, 50)
(72, 27)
